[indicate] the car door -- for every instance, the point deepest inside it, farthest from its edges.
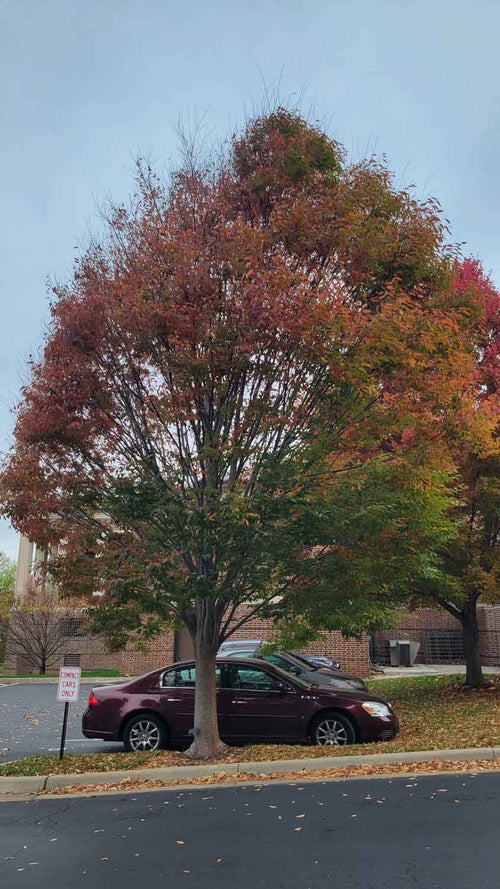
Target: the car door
(177, 700)
(259, 706)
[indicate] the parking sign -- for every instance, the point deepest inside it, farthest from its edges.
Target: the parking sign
(68, 687)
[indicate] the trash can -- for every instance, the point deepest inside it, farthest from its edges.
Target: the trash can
(414, 650)
(402, 652)
(394, 652)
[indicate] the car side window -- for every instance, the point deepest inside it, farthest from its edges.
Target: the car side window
(251, 679)
(185, 677)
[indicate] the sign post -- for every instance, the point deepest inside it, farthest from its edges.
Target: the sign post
(68, 689)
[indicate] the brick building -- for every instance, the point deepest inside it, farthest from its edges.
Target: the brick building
(353, 654)
(440, 636)
(437, 632)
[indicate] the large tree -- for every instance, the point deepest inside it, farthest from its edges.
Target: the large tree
(448, 503)
(470, 561)
(242, 337)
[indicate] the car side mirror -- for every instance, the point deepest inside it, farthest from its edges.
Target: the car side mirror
(280, 686)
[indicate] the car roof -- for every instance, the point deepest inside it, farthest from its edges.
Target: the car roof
(236, 651)
(220, 659)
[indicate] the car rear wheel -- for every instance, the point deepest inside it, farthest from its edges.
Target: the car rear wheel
(144, 732)
(332, 730)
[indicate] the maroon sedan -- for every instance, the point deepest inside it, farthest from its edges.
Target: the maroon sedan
(255, 702)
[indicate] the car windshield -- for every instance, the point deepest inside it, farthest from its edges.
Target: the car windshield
(292, 678)
(298, 661)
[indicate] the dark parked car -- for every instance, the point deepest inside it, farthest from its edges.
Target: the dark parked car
(243, 644)
(256, 701)
(318, 660)
(299, 666)
(234, 644)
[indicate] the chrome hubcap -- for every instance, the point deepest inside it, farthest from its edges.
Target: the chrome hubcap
(144, 735)
(330, 733)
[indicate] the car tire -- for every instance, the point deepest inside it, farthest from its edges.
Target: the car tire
(144, 732)
(332, 729)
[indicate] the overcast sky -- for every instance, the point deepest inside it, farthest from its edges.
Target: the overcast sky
(89, 84)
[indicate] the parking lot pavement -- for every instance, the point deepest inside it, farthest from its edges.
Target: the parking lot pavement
(31, 721)
(432, 832)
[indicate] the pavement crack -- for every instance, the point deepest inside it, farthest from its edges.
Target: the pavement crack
(53, 815)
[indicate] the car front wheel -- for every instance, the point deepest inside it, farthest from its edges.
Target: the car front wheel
(144, 732)
(332, 730)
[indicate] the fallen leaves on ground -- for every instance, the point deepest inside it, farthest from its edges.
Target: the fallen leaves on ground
(473, 766)
(434, 715)
(76, 764)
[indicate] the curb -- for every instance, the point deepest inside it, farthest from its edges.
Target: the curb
(23, 784)
(27, 785)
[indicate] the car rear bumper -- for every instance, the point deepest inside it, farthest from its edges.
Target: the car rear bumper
(92, 729)
(104, 736)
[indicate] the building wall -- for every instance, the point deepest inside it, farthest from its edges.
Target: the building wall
(489, 634)
(413, 625)
(30, 562)
(94, 656)
(352, 654)
(410, 626)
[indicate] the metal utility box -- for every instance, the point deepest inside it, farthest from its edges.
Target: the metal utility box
(402, 652)
(394, 652)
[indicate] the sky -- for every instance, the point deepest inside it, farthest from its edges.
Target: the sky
(87, 86)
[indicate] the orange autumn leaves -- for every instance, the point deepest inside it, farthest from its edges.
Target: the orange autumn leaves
(284, 306)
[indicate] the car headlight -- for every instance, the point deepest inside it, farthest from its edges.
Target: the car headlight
(375, 708)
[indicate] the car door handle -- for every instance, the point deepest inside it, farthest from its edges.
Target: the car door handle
(174, 700)
(239, 702)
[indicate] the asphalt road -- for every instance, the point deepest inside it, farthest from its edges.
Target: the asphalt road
(438, 832)
(31, 721)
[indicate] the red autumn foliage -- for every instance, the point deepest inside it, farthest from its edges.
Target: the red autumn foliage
(237, 337)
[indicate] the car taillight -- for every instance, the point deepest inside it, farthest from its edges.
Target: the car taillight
(93, 702)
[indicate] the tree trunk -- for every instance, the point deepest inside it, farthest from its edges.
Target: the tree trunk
(206, 741)
(474, 674)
